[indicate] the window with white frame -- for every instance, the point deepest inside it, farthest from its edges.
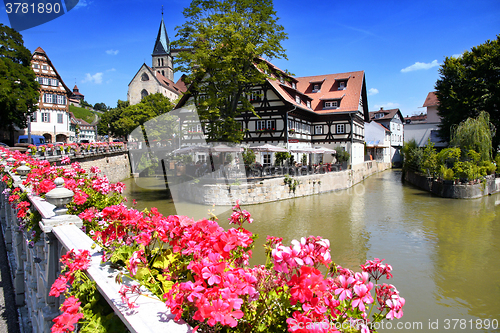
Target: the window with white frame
(297, 99)
(309, 104)
(44, 67)
(47, 98)
(61, 99)
(266, 159)
(45, 117)
(315, 88)
(254, 95)
(59, 118)
(318, 129)
(45, 81)
(340, 128)
(294, 85)
(331, 104)
(36, 66)
(54, 82)
(266, 125)
(291, 124)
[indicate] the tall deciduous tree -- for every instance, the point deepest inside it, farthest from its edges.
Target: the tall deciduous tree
(221, 42)
(468, 85)
(125, 118)
(18, 88)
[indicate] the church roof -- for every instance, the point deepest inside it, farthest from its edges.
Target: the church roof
(162, 45)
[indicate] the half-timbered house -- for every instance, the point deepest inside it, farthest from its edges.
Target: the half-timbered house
(305, 112)
(52, 119)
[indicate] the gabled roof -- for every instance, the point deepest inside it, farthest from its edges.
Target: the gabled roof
(349, 97)
(40, 51)
(162, 45)
(387, 114)
(163, 81)
(431, 100)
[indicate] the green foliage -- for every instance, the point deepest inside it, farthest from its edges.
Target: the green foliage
(468, 85)
(223, 42)
(429, 165)
(304, 159)
(82, 113)
(341, 154)
(280, 157)
(291, 182)
(18, 88)
(447, 174)
(125, 118)
(248, 157)
(474, 134)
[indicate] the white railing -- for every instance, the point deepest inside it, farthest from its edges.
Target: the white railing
(34, 268)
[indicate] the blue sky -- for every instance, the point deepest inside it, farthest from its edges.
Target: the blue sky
(101, 44)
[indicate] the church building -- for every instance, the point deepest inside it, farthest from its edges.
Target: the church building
(159, 78)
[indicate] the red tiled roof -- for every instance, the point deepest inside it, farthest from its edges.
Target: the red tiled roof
(388, 114)
(349, 97)
(167, 83)
(39, 49)
(431, 100)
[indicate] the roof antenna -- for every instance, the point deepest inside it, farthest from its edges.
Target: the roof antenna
(161, 10)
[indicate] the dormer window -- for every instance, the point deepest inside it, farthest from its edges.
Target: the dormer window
(379, 115)
(297, 99)
(309, 104)
(294, 85)
(316, 88)
(331, 105)
(342, 85)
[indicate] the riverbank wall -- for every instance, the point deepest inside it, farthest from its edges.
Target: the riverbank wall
(472, 191)
(268, 190)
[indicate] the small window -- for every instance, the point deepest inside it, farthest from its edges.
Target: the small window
(315, 88)
(266, 125)
(309, 104)
(44, 67)
(36, 66)
(47, 98)
(318, 129)
(330, 104)
(59, 118)
(45, 81)
(61, 99)
(340, 129)
(255, 95)
(144, 77)
(341, 85)
(266, 159)
(294, 85)
(297, 99)
(45, 117)
(144, 93)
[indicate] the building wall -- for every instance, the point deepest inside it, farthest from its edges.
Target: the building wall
(152, 86)
(274, 189)
(432, 115)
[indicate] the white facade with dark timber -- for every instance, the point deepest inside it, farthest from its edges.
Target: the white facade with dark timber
(307, 112)
(52, 119)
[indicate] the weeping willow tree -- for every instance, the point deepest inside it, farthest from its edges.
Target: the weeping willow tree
(474, 134)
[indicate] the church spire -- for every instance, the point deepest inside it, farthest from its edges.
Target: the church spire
(162, 45)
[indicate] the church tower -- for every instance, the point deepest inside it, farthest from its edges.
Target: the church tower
(162, 57)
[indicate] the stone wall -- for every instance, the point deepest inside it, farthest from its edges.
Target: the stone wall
(116, 166)
(275, 189)
(491, 185)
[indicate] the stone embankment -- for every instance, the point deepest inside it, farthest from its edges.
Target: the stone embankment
(449, 190)
(275, 189)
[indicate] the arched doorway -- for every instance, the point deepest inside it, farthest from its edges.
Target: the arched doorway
(61, 138)
(48, 137)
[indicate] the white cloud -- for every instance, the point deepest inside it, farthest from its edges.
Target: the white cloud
(96, 78)
(372, 91)
(112, 52)
(387, 106)
(110, 70)
(420, 65)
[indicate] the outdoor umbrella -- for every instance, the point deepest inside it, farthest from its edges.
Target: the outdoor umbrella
(268, 148)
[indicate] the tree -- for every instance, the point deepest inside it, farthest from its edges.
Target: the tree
(125, 118)
(100, 106)
(474, 134)
(468, 85)
(222, 45)
(18, 89)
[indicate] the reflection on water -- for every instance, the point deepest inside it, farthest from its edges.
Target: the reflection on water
(444, 251)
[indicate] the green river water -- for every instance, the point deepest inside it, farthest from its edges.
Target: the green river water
(444, 252)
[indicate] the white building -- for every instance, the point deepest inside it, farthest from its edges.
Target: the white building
(52, 119)
(392, 120)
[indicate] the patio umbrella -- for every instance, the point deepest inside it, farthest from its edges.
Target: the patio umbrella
(327, 150)
(226, 149)
(268, 148)
(307, 150)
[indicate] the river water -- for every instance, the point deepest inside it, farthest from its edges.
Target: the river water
(444, 252)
